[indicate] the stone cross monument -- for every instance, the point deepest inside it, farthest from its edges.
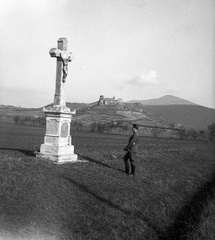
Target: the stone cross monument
(63, 57)
(57, 141)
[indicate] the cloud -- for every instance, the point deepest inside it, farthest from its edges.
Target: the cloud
(144, 79)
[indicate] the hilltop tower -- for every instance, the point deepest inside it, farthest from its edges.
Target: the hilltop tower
(108, 101)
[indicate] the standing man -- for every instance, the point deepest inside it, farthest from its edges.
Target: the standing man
(131, 151)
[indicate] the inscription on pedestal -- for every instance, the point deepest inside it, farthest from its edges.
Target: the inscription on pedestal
(64, 130)
(52, 127)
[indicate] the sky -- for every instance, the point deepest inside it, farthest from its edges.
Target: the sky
(129, 49)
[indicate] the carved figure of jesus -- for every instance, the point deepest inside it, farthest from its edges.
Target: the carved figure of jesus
(63, 57)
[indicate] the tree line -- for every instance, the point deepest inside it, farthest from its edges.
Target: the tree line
(103, 126)
(29, 120)
(121, 127)
(124, 128)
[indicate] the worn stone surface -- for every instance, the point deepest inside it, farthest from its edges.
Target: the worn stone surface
(64, 130)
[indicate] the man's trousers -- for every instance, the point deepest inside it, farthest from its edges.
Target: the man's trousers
(129, 160)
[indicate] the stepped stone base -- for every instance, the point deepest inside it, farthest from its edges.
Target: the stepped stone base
(57, 153)
(60, 158)
(57, 145)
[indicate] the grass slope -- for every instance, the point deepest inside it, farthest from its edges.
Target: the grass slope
(171, 196)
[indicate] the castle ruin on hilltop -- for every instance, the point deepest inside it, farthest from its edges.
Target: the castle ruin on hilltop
(108, 101)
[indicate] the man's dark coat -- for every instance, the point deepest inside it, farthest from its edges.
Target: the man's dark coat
(133, 143)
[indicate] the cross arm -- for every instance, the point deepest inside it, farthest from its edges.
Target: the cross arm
(55, 52)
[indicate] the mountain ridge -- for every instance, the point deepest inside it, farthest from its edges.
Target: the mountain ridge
(164, 100)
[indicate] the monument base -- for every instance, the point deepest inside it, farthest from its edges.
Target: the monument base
(69, 161)
(59, 154)
(57, 145)
(60, 159)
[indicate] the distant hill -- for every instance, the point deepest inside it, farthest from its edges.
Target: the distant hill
(70, 105)
(165, 100)
(189, 116)
(169, 109)
(129, 112)
(79, 105)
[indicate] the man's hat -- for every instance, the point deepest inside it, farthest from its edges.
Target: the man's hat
(135, 126)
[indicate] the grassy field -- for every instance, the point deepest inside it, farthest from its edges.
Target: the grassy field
(171, 197)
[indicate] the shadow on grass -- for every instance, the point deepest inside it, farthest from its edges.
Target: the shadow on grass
(26, 152)
(190, 214)
(99, 163)
(132, 214)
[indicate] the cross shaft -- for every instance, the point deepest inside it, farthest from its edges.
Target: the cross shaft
(63, 57)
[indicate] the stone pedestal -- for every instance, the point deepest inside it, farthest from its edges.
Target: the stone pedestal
(57, 141)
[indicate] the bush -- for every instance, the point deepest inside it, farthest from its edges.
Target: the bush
(192, 134)
(182, 133)
(155, 132)
(17, 119)
(211, 130)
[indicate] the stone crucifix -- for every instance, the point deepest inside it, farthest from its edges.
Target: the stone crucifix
(63, 57)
